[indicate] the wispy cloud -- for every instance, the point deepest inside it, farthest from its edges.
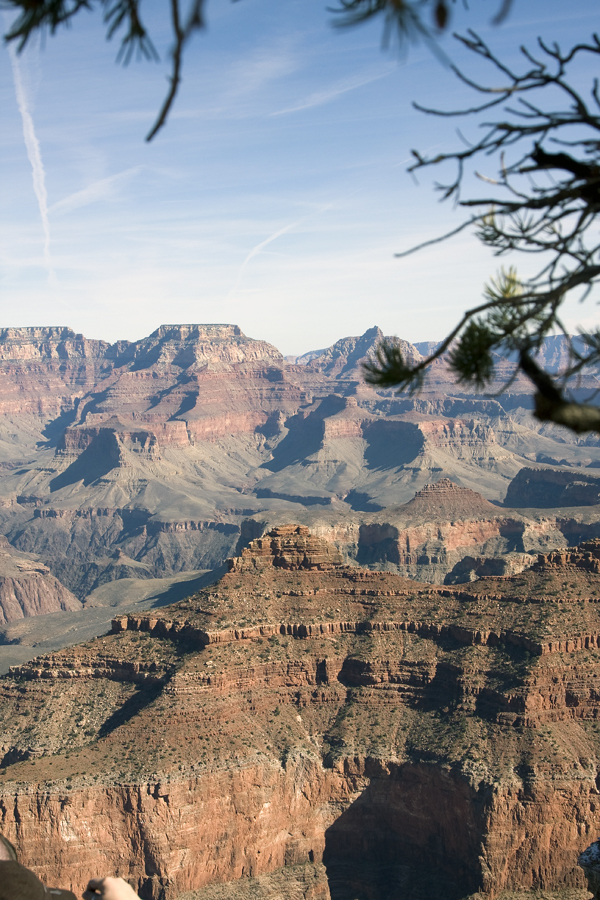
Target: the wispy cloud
(99, 190)
(319, 98)
(265, 66)
(32, 145)
(240, 91)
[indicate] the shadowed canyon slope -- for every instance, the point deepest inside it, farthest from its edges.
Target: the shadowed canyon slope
(153, 458)
(305, 728)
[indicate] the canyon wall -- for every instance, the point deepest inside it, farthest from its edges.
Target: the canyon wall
(366, 734)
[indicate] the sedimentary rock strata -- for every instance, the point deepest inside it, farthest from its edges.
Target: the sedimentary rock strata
(287, 547)
(429, 537)
(164, 448)
(546, 487)
(355, 730)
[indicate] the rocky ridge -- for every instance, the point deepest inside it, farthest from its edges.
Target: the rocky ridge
(539, 487)
(318, 727)
(585, 558)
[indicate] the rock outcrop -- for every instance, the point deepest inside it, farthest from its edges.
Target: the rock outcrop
(43, 344)
(27, 587)
(546, 488)
(446, 499)
(287, 547)
(472, 568)
(350, 729)
(589, 861)
(585, 557)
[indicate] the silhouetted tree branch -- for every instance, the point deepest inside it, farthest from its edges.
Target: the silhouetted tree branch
(411, 19)
(557, 219)
(47, 16)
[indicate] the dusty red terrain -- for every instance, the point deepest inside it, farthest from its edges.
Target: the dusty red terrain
(322, 729)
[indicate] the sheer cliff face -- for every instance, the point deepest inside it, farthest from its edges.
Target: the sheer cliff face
(333, 729)
(27, 588)
(163, 448)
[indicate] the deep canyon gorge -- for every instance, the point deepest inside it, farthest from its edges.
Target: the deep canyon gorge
(275, 633)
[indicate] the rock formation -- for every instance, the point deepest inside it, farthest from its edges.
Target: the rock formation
(589, 861)
(448, 533)
(27, 588)
(319, 732)
(287, 547)
(586, 558)
(448, 499)
(546, 488)
(471, 568)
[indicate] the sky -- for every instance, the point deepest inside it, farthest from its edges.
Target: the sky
(277, 194)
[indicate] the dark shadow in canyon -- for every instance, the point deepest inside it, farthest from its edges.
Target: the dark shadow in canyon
(142, 698)
(54, 430)
(189, 401)
(391, 445)
(412, 834)
(184, 589)
(304, 435)
(302, 499)
(359, 501)
(97, 460)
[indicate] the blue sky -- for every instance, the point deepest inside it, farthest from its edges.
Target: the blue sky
(277, 194)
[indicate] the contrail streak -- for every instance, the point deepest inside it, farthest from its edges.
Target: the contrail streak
(262, 244)
(32, 146)
(255, 250)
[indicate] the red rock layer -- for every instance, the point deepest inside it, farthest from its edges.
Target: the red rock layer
(287, 547)
(586, 557)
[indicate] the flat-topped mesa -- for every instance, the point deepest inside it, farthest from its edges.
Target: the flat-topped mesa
(196, 332)
(39, 333)
(287, 547)
(585, 557)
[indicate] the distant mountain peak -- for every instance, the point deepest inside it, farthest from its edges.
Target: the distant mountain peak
(348, 354)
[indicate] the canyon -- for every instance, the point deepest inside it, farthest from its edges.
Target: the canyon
(310, 728)
(149, 459)
(397, 691)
